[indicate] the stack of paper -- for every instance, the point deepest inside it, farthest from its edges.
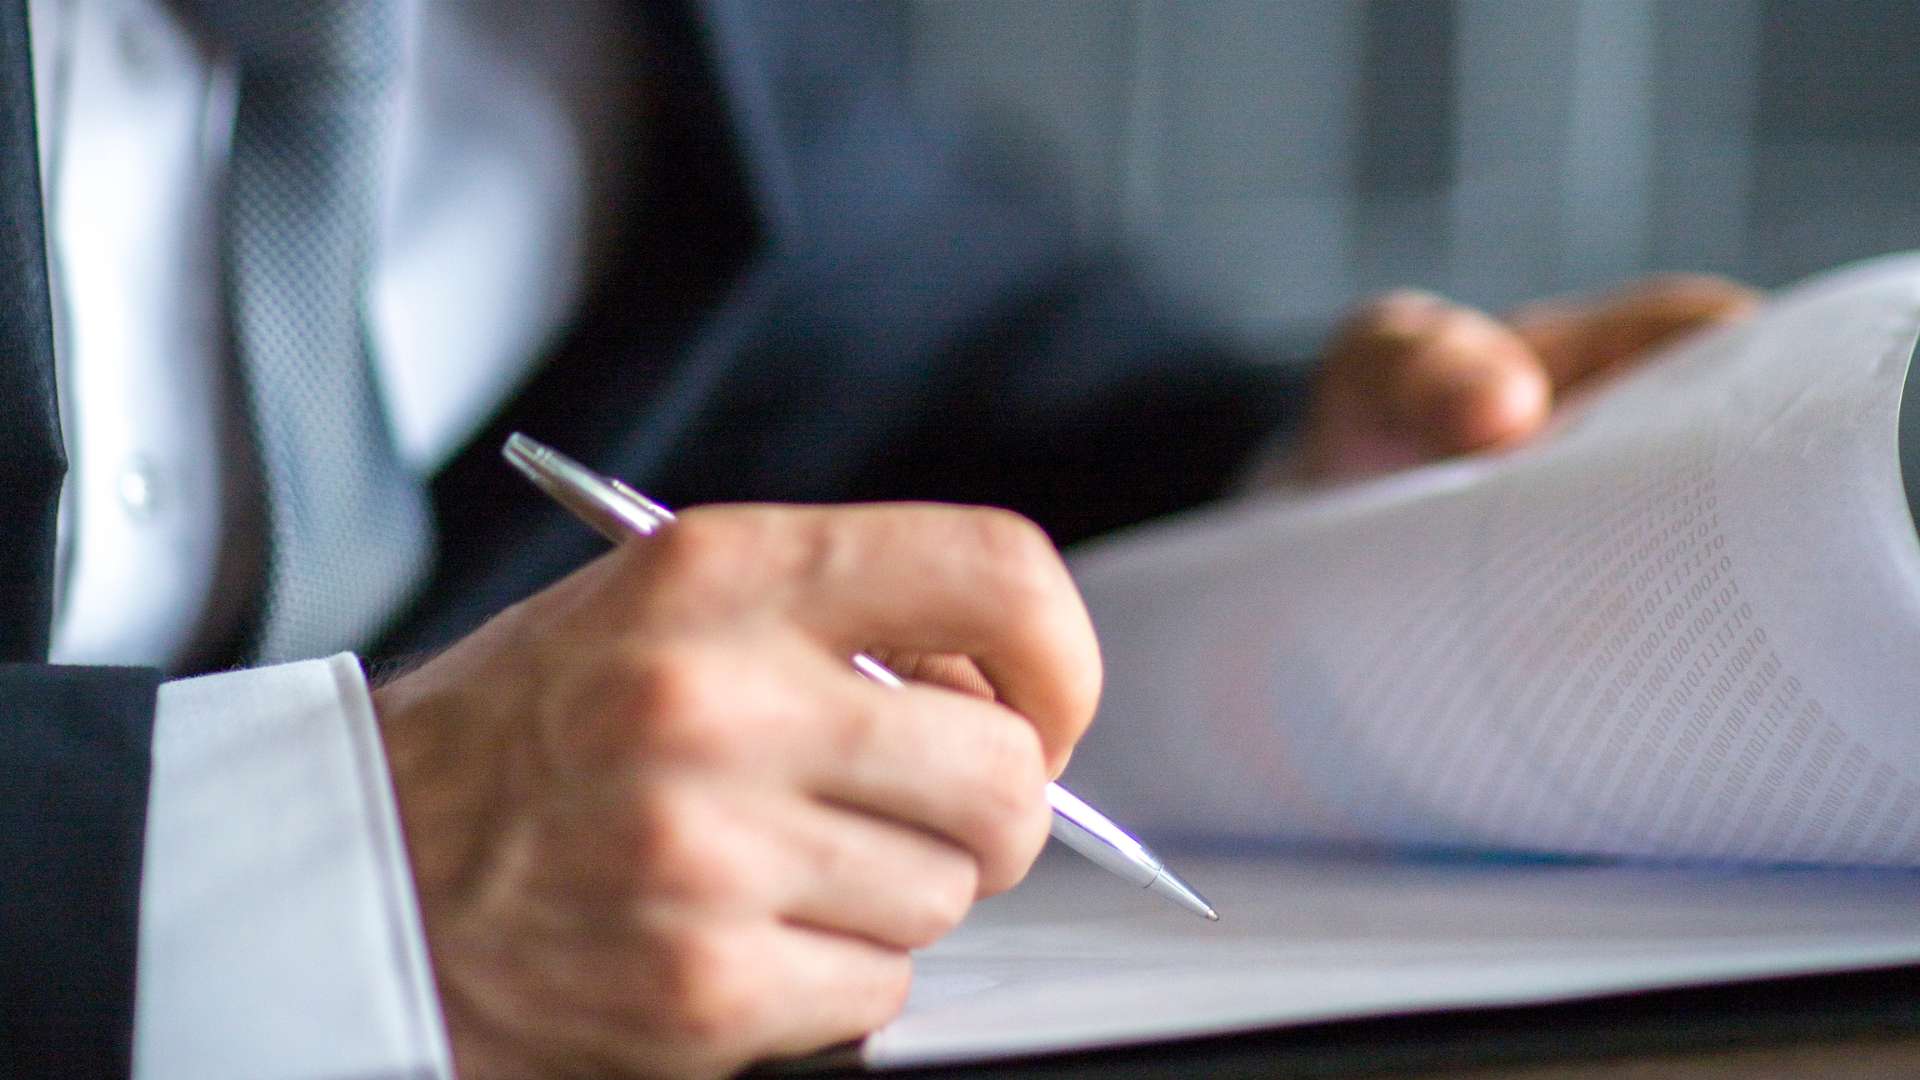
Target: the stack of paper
(1681, 631)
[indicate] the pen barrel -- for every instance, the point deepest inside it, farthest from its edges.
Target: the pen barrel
(1088, 832)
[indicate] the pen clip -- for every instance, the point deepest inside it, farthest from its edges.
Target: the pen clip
(615, 511)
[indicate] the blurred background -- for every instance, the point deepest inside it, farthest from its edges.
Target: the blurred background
(1279, 158)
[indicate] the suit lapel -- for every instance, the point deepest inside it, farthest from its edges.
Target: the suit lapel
(32, 461)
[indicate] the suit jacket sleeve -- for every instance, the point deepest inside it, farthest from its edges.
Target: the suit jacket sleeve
(73, 741)
(73, 802)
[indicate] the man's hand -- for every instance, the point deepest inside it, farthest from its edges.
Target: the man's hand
(660, 826)
(1411, 377)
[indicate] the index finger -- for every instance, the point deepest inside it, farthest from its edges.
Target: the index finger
(982, 583)
(1579, 337)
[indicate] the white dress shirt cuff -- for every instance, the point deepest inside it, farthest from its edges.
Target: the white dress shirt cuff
(279, 934)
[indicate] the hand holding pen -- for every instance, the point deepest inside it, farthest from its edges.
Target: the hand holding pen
(659, 824)
(619, 513)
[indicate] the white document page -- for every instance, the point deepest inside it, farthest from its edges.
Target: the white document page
(1073, 959)
(1685, 625)
(1683, 629)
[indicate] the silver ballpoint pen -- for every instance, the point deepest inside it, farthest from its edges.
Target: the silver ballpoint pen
(617, 511)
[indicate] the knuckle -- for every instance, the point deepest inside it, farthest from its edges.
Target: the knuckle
(1018, 764)
(710, 558)
(858, 733)
(686, 550)
(1084, 683)
(946, 897)
(666, 829)
(817, 547)
(1459, 337)
(1697, 295)
(890, 988)
(1678, 281)
(659, 682)
(709, 991)
(1453, 328)
(1398, 313)
(725, 561)
(1013, 538)
(678, 851)
(870, 993)
(1010, 823)
(1684, 282)
(680, 702)
(1024, 564)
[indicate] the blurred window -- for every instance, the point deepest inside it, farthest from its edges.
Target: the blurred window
(1280, 157)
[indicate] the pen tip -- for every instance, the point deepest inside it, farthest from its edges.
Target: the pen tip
(1168, 884)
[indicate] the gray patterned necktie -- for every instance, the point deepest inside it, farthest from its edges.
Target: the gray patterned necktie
(349, 535)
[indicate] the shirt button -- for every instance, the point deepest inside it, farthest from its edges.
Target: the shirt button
(139, 489)
(139, 51)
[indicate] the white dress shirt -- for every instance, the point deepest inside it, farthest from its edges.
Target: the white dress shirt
(279, 935)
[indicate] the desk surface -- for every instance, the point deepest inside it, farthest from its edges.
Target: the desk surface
(1450, 957)
(1857, 1025)
(1859, 1059)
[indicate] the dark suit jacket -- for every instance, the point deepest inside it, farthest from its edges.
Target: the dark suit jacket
(825, 301)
